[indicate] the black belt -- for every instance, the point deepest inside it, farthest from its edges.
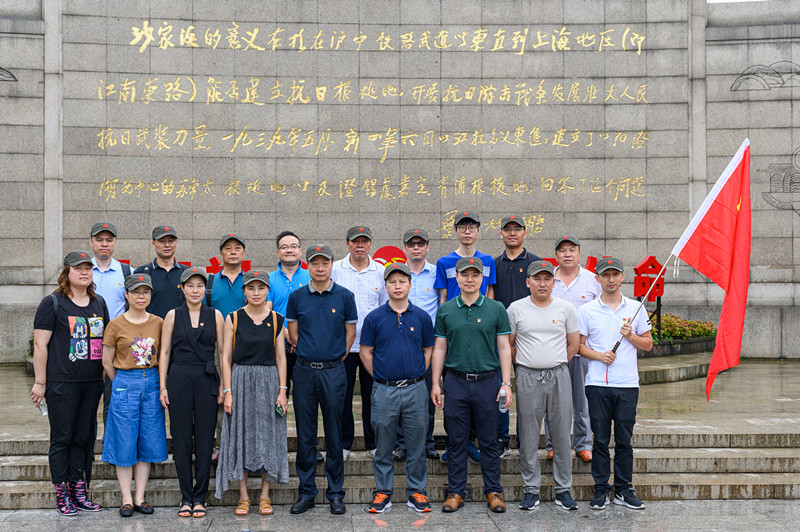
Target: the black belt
(473, 376)
(400, 384)
(319, 365)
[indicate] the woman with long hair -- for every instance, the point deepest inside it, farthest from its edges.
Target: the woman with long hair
(190, 388)
(67, 358)
(254, 388)
(136, 435)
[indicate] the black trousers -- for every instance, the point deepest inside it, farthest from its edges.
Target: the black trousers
(192, 420)
(106, 399)
(291, 358)
(351, 364)
(73, 420)
(617, 405)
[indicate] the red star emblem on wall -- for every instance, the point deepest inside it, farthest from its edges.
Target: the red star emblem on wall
(141, 278)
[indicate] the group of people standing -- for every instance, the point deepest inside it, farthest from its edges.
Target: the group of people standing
(418, 336)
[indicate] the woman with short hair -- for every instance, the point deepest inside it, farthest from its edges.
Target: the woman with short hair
(67, 359)
(136, 434)
(254, 388)
(190, 387)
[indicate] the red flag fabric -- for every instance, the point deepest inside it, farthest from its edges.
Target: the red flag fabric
(717, 244)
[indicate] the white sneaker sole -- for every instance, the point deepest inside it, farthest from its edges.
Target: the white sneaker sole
(385, 509)
(414, 507)
(529, 509)
(605, 505)
(567, 508)
(622, 502)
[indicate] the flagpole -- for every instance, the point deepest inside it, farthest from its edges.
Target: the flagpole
(644, 299)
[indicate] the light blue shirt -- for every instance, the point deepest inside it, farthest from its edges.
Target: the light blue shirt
(111, 285)
(422, 293)
(280, 286)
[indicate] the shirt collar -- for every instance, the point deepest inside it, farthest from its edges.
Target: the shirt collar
(461, 303)
(522, 256)
(346, 264)
(389, 308)
(427, 268)
(621, 305)
(113, 265)
(154, 265)
(329, 289)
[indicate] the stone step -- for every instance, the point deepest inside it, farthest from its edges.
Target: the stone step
(15, 468)
(649, 486)
(673, 368)
(647, 434)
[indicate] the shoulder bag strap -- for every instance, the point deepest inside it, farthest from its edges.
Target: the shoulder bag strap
(235, 318)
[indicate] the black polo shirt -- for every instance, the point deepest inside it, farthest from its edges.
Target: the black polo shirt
(167, 293)
(511, 275)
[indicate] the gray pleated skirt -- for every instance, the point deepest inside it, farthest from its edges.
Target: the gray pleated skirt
(254, 436)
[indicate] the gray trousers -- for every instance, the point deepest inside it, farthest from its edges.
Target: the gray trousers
(581, 428)
(538, 392)
(405, 407)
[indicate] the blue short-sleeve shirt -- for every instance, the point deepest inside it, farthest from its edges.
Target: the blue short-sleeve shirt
(321, 319)
(226, 296)
(446, 273)
(398, 341)
(280, 286)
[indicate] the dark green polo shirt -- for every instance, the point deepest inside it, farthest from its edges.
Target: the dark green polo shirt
(471, 333)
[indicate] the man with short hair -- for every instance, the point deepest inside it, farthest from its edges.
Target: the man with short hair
(544, 337)
(467, 225)
(364, 277)
(469, 330)
(322, 324)
(224, 290)
(396, 344)
(577, 285)
(423, 295)
(612, 383)
(512, 266)
(165, 272)
(109, 281)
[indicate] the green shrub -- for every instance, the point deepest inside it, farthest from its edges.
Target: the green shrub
(675, 328)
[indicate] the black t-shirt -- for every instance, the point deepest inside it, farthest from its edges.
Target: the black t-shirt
(511, 275)
(75, 351)
(254, 345)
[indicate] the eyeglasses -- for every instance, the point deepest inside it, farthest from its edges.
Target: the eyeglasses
(467, 228)
(293, 247)
(515, 229)
(417, 244)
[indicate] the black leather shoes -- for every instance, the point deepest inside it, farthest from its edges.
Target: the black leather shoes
(144, 508)
(301, 506)
(126, 510)
(337, 506)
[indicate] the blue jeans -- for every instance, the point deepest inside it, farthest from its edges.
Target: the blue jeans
(136, 430)
(617, 405)
(406, 407)
(324, 388)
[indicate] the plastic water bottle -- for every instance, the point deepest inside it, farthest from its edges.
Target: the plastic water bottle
(502, 402)
(43, 408)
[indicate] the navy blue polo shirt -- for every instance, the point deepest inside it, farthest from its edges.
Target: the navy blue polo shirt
(321, 319)
(167, 293)
(511, 276)
(398, 341)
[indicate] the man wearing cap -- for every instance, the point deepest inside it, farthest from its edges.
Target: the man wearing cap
(512, 267)
(577, 285)
(165, 272)
(467, 225)
(396, 344)
(423, 295)
(612, 383)
(224, 291)
(109, 281)
(469, 330)
(322, 324)
(544, 337)
(364, 277)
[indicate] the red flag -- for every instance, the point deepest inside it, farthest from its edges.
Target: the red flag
(717, 244)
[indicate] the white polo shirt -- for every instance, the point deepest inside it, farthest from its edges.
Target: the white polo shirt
(367, 286)
(600, 325)
(583, 289)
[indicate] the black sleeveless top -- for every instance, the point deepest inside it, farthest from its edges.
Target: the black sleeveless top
(195, 347)
(254, 343)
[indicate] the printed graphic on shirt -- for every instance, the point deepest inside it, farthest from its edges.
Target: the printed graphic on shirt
(142, 350)
(86, 338)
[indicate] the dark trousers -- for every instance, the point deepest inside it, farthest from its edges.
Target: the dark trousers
(106, 399)
(353, 363)
(475, 401)
(73, 420)
(192, 421)
(430, 443)
(324, 388)
(617, 405)
(291, 358)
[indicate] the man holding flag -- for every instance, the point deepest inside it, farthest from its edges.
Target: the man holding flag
(612, 381)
